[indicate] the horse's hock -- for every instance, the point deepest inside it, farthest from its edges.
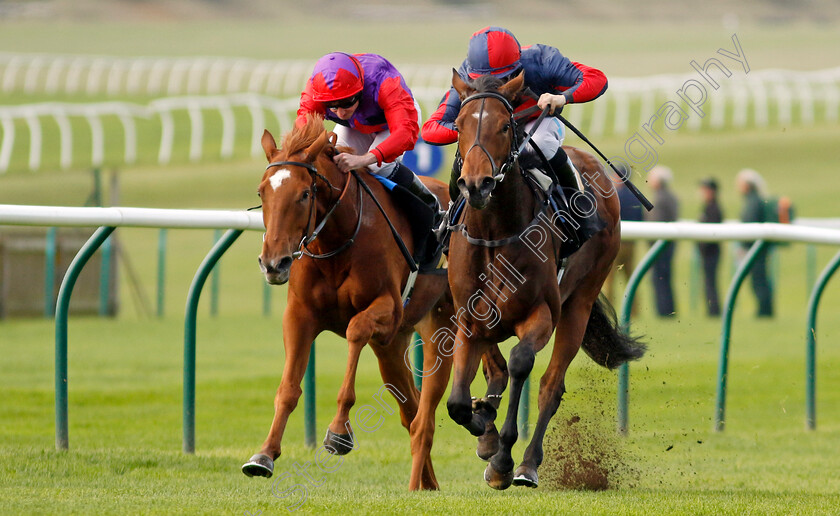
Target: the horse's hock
(29, 285)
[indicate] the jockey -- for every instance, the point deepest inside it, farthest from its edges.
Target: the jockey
(375, 113)
(549, 74)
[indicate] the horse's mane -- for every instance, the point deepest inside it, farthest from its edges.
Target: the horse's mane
(300, 138)
(486, 83)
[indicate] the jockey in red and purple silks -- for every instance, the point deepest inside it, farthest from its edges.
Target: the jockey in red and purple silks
(549, 74)
(375, 113)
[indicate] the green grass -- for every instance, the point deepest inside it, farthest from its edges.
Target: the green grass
(125, 388)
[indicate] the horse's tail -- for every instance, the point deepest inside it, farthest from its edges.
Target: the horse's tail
(606, 343)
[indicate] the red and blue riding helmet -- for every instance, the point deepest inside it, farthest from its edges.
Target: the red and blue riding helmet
(493, 51)
(337, 76)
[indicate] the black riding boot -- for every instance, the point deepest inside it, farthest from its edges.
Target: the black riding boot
(427, 252)
(406, 178)
(569, 183)
(564, 170)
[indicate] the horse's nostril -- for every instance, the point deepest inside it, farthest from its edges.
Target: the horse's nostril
(488, 183)
(285, 263)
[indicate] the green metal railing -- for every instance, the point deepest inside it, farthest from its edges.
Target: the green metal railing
(100, 238)
(190, 329)
(626, 309)
(309, 402)
(62, 430)
(811, 343)
(417, 342)
(726, 330)
(50, 253)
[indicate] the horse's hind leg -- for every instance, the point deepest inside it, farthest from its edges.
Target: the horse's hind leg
(436, 369)
(495, 371)
(573, 320)
(375, 319)
(398, 378)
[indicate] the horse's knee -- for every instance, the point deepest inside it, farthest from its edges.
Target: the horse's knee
(361, 328)
(521, 361)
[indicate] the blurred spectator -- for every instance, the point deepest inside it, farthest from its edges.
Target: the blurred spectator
(625, 262)
(710, 251)
(752, 187)
(666, 209)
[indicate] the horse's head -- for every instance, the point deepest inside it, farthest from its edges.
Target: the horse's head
(288, 191)
(485, 134)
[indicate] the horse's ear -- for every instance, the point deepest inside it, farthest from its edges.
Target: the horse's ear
(330, 149)
(312, 152)
(513, 86)
(268, 144)
(460, 86)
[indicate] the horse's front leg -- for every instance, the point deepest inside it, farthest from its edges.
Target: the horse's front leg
(299, 330)
(465, 365)
(573, 321)
(533, 335)
(496, 374)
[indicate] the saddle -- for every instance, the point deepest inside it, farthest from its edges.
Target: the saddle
(572, 206)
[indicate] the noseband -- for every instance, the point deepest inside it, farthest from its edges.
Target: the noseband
(513, 153)
(308, 237)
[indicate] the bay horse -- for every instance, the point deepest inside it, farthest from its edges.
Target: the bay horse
(503, 272)
(348, 280)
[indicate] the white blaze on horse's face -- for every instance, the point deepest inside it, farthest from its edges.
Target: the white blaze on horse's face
(478, 116)
(277, 179)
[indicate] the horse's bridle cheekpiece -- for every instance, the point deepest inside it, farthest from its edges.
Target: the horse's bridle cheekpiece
(308, 237)
(498, 172)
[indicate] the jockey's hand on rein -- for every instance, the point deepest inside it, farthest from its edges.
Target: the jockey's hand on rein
(555, 101)
(347, 162)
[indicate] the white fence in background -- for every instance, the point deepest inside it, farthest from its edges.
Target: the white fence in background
(758, 98)
(152, 76)
(161, 110)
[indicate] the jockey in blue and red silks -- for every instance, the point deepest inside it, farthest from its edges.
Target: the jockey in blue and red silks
(549, 74)
(375, 113)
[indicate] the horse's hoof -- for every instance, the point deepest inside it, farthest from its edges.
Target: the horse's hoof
(259, 466)
(488, 444)
(483, 408)
(525, 476)
(497, 480)
(339, 444)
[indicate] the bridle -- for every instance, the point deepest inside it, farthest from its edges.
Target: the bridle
(308, 237)
(515, 147)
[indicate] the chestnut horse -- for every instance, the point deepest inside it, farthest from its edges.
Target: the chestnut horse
(503, 272)
(348, 280)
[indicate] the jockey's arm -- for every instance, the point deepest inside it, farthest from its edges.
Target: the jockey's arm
(575, 81)
(401, 115)
(439, 129)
